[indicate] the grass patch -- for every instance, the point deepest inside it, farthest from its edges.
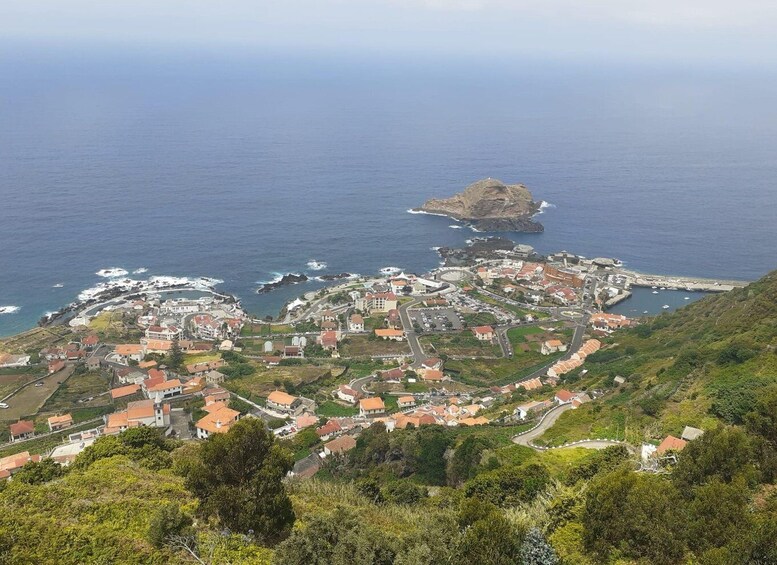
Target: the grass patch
(366, 346)
(480, 319)
(461, 344)
(78, 386)
(331, 409)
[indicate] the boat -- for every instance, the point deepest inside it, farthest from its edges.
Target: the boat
(58, 285)
(687, 298)
(653, 287)
(655, 292)
(665, 306)
(645, 312)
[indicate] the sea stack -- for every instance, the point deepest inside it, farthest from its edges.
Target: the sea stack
(490, 205)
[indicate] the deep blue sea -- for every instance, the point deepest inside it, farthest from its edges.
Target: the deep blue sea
(240, 167)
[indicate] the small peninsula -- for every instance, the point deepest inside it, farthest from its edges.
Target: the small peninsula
(490, 205)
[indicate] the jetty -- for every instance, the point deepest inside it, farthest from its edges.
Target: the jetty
(673, 282)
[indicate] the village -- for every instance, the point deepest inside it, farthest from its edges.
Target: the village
(500, 342)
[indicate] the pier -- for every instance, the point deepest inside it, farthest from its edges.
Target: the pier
(672, 282)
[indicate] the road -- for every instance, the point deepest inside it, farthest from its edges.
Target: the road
(547, 421)
(359, 384)
(410, 334)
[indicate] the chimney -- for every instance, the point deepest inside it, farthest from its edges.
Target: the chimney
(218, 424)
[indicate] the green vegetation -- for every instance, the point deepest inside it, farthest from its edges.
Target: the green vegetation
(369, 345)
(331, 409)
(462, 344)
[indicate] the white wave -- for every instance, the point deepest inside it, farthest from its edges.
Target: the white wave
(411, 211)
(435, 248)
(390, 270)
(140, 271)
(473, 228)
(544, 206)
(9, 309)
(455, 227)
(152, 284)
(112, 272)
(277, 277)
(58, 285)
(316, 265)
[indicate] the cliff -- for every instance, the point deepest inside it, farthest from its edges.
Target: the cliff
(490, 205)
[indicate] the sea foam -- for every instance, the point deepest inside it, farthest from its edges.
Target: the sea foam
(8, 309)
(316, 265)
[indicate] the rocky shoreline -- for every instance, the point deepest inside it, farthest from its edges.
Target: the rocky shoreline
(296, 278)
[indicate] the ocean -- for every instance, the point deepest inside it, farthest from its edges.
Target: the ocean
(244, 167)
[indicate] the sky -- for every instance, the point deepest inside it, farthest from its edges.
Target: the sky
(710, 32)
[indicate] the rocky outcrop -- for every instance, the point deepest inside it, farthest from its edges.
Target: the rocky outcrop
(291, 278)
(490, 205)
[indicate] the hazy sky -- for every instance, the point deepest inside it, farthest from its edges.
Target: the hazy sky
(708, 31)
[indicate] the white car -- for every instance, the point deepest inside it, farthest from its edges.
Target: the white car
(4, 405)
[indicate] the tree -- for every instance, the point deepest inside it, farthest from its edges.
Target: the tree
(466, 460)
(721, 453)
(168, 521)
(508, 486)
(640, 515)
(536, 550)
(238, 477)
(718, 514)
(35, 473)
(490, 540)
(336, 539)
(176, 356)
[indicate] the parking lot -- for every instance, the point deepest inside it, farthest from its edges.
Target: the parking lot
(436, 319)
(469, 303)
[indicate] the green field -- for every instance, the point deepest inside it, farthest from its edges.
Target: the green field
(77, 387)
(366, 346)
(480, 319)
(462, 344)
(331, 409)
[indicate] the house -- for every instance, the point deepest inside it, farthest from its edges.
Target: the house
(90, 341)
(23, 429)
(393, 320)
(128, 375)
(339, 445)
(138, 413)
(671, 443)
(552, 346)
(306, 420)
(380, 302)
(609, 322)
(329, 326)
(564, 396)
(484, 333)
(523, 411)
(200, 369)
(93, 363)
(329, 429)
(589, 347)
(618, 380)
(347, 394)
(328, 316)
(147, 364)
(406, 402)
(580, 399)
(356, 323)
(690, 433)
(216, 422)
(431, 363)
(195, 384)
(55, 366)
(282, 401)
(167, 333)
(415, 419)
(215, 394)
(272, 360)
(214, 377)
(123, 391)
(328, 340)
(166, 389)
(60, 422)
(156, 345)
(130, 352)
(529, 384)
(52, 353)
(12, 463)
(207, 327)
(390, 334)
(292, 352)
(371, 406)
(395, 375)
(433, 375)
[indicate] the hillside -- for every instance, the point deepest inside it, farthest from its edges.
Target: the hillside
(705, 364)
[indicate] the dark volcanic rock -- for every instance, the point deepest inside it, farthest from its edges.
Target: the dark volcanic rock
(480, 248)
(290, 278)
(334, 277)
